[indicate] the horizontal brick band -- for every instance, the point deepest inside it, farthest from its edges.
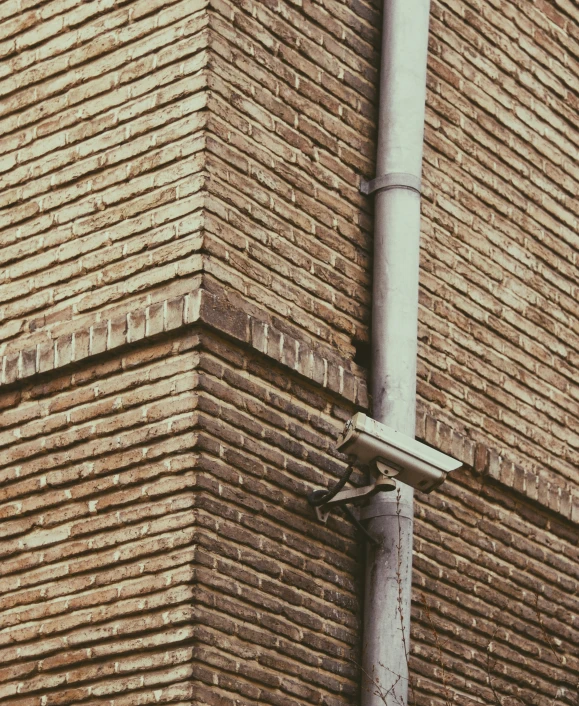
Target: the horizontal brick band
(216, 310)
(315, 361)
(538, 484)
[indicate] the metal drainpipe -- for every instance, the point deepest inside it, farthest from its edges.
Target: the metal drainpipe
(389, 516)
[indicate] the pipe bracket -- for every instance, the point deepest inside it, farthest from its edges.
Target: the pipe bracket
(393, 180)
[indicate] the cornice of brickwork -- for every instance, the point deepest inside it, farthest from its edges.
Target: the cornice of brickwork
(530, 480)
(219, 310)
(210, 305)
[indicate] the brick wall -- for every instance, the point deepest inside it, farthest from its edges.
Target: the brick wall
(499, 264)
(156, 545)
(184, 285)
(98, 529)
(102, 124)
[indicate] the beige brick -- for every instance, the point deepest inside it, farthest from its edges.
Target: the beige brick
(186, 262)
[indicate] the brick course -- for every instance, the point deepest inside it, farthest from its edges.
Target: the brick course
(174, 475)
(185, 283)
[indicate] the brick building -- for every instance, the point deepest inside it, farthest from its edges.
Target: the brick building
(184, 323)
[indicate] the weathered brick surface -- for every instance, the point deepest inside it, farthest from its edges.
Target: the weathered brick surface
(146, 143)
(156, 537)
(499, 287)
(157, 547)
(98, 532)
(102, 120)
(491, 572)
(494, 602)
(185, 264)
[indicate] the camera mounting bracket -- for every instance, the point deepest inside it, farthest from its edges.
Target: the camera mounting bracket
(354, 495)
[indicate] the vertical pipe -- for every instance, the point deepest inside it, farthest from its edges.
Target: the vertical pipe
(389, 516)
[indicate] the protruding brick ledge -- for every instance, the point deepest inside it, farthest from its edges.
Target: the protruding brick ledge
(235, 318)
(313, 360)
(535, 483)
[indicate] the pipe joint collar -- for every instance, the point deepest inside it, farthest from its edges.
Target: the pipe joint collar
(389, 509)
(393, 180)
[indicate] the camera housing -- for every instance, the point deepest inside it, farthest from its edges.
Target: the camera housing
(394, 454)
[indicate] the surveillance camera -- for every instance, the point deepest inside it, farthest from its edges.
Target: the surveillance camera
(394, 454)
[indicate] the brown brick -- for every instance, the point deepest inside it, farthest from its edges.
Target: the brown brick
(191, 174)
